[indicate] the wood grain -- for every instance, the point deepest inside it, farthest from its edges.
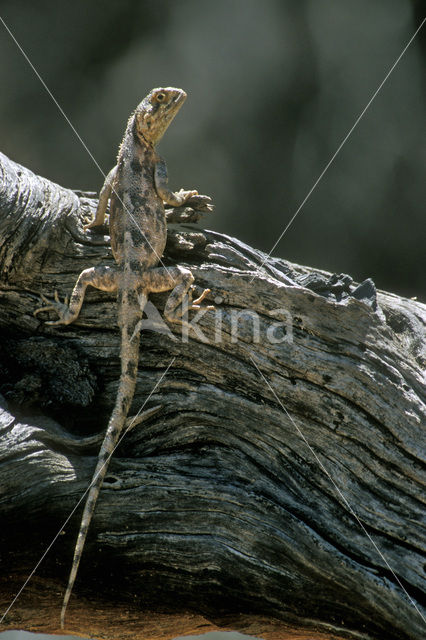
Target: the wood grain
(278, 486)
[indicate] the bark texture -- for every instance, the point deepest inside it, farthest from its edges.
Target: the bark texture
(276, 481)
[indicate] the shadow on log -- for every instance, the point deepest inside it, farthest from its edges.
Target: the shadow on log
(276, 483)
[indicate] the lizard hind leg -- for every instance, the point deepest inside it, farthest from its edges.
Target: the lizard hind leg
(180, 281)
(102, 277)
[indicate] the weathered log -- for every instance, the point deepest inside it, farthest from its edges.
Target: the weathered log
(277, 478)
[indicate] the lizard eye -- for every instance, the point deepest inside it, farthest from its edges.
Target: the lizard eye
(161, 97)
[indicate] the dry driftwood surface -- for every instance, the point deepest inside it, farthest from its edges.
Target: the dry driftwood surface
(273, 486)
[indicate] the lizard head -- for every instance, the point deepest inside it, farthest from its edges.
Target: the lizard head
(154, 114)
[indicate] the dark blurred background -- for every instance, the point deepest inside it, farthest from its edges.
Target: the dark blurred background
(273, 87)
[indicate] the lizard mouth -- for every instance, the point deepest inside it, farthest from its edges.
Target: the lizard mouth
(180, 97)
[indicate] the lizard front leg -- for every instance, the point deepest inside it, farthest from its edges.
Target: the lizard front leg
(173, 198)
(103, 278)
(104, 196)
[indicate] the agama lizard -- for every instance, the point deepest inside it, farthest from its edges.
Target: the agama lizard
(137, 188)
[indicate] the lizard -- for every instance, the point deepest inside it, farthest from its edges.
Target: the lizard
(136, 188)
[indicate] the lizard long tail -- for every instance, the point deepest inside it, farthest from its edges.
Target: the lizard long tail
(130, 339)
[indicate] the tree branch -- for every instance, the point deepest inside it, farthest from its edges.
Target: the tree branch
(276, 479)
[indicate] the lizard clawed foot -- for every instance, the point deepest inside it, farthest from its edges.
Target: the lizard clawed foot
(186, 194)
(198, 201)
(183, 195)
(176, 315)
(94, 225)
(195, 304)
(61, 308)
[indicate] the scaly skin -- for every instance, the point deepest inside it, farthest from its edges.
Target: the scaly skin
(137, 189)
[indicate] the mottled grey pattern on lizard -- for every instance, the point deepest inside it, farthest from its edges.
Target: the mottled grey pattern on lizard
(137, 188)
